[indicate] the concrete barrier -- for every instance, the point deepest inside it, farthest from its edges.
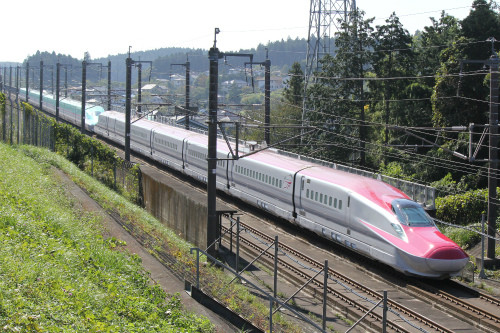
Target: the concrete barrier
(180, 207)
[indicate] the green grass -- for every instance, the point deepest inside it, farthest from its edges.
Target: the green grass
(161, 239)
(57, 273)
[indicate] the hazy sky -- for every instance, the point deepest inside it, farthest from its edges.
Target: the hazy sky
(109, 27)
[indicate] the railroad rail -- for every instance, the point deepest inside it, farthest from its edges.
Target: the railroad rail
(476, 316)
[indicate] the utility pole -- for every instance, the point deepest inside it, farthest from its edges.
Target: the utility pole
(139, 88)
(128, 100)
(493, 63)
(213, 55)
(128, 97)
(58, 71)
(109, 85)
(138, 64)
(10, 79)
(267, 99)
(27, 80)
(52, 80)
(84, 94)
(493, 152)
(186, 105)
(85, 64)
(18, 79)
(41, 85)
(66, 81)
(267, 95)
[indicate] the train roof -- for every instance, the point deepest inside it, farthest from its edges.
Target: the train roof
(363, 182)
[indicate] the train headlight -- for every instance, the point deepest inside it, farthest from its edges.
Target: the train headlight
(398, 229)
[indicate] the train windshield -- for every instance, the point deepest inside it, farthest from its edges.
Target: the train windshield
(411, 214)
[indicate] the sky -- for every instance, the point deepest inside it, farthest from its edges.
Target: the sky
(109, 27)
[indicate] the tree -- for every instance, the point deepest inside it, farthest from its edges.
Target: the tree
(457, 98)
(393, 60)
(337, 97)
(481, 23)
(294, 89)
(432, 41)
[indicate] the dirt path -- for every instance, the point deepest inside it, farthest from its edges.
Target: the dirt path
(159, 273)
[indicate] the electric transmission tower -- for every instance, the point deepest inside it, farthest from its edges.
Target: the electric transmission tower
(325, 18)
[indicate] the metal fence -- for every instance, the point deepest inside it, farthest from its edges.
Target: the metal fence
(275, 302)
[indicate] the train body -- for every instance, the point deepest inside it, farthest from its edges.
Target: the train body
(70, 110)
(363, 214)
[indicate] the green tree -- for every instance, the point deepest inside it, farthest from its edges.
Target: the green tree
(337, 98)
(431, 42)
(481, 23)
(455, 97)
(294, 89)
(393, 58)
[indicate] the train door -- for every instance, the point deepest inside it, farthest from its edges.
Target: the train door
(152, 141)
(298, 192)
(348, 213)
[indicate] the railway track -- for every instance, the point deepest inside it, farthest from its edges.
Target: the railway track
(475, 315)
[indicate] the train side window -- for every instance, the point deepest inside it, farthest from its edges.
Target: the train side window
(335, 203)
(325, 200)
(312, 195)
(316, 196)
(281, 183)
(307, 193)
(321, 197)
(340, 204)
(330, 201)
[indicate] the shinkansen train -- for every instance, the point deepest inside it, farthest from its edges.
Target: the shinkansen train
(366, 215)
(69, 109)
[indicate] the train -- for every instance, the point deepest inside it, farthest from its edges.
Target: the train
(69, 109)
(363, 214)
(366, 215)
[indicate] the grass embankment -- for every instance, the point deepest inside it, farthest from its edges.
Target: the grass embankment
(57, 273)
(91, 287)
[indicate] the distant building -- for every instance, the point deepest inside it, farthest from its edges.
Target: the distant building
(154, 89)
(276, 83)
(227, 84)
(178, 80)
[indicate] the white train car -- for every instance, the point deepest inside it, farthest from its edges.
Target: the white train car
(363, 214)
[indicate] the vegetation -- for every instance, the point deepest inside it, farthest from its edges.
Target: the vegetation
(57, 272)
(160, 241)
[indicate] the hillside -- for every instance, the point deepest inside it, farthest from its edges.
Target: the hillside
(57, 271)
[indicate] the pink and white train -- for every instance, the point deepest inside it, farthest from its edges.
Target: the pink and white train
(363, 214)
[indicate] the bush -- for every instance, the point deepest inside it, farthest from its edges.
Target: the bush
(462, 209)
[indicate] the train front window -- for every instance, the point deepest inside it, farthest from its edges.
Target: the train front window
(411, 214)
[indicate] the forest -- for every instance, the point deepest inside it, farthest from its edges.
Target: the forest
(386, 100)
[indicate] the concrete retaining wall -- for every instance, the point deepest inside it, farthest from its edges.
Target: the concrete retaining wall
(178, 206)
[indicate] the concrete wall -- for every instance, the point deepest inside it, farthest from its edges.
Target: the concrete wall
(180, 207)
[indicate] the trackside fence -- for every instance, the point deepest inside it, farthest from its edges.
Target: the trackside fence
(22, 123)
(320, 277)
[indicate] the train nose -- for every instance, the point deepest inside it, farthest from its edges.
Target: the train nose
(447, 258)
(448, 253)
